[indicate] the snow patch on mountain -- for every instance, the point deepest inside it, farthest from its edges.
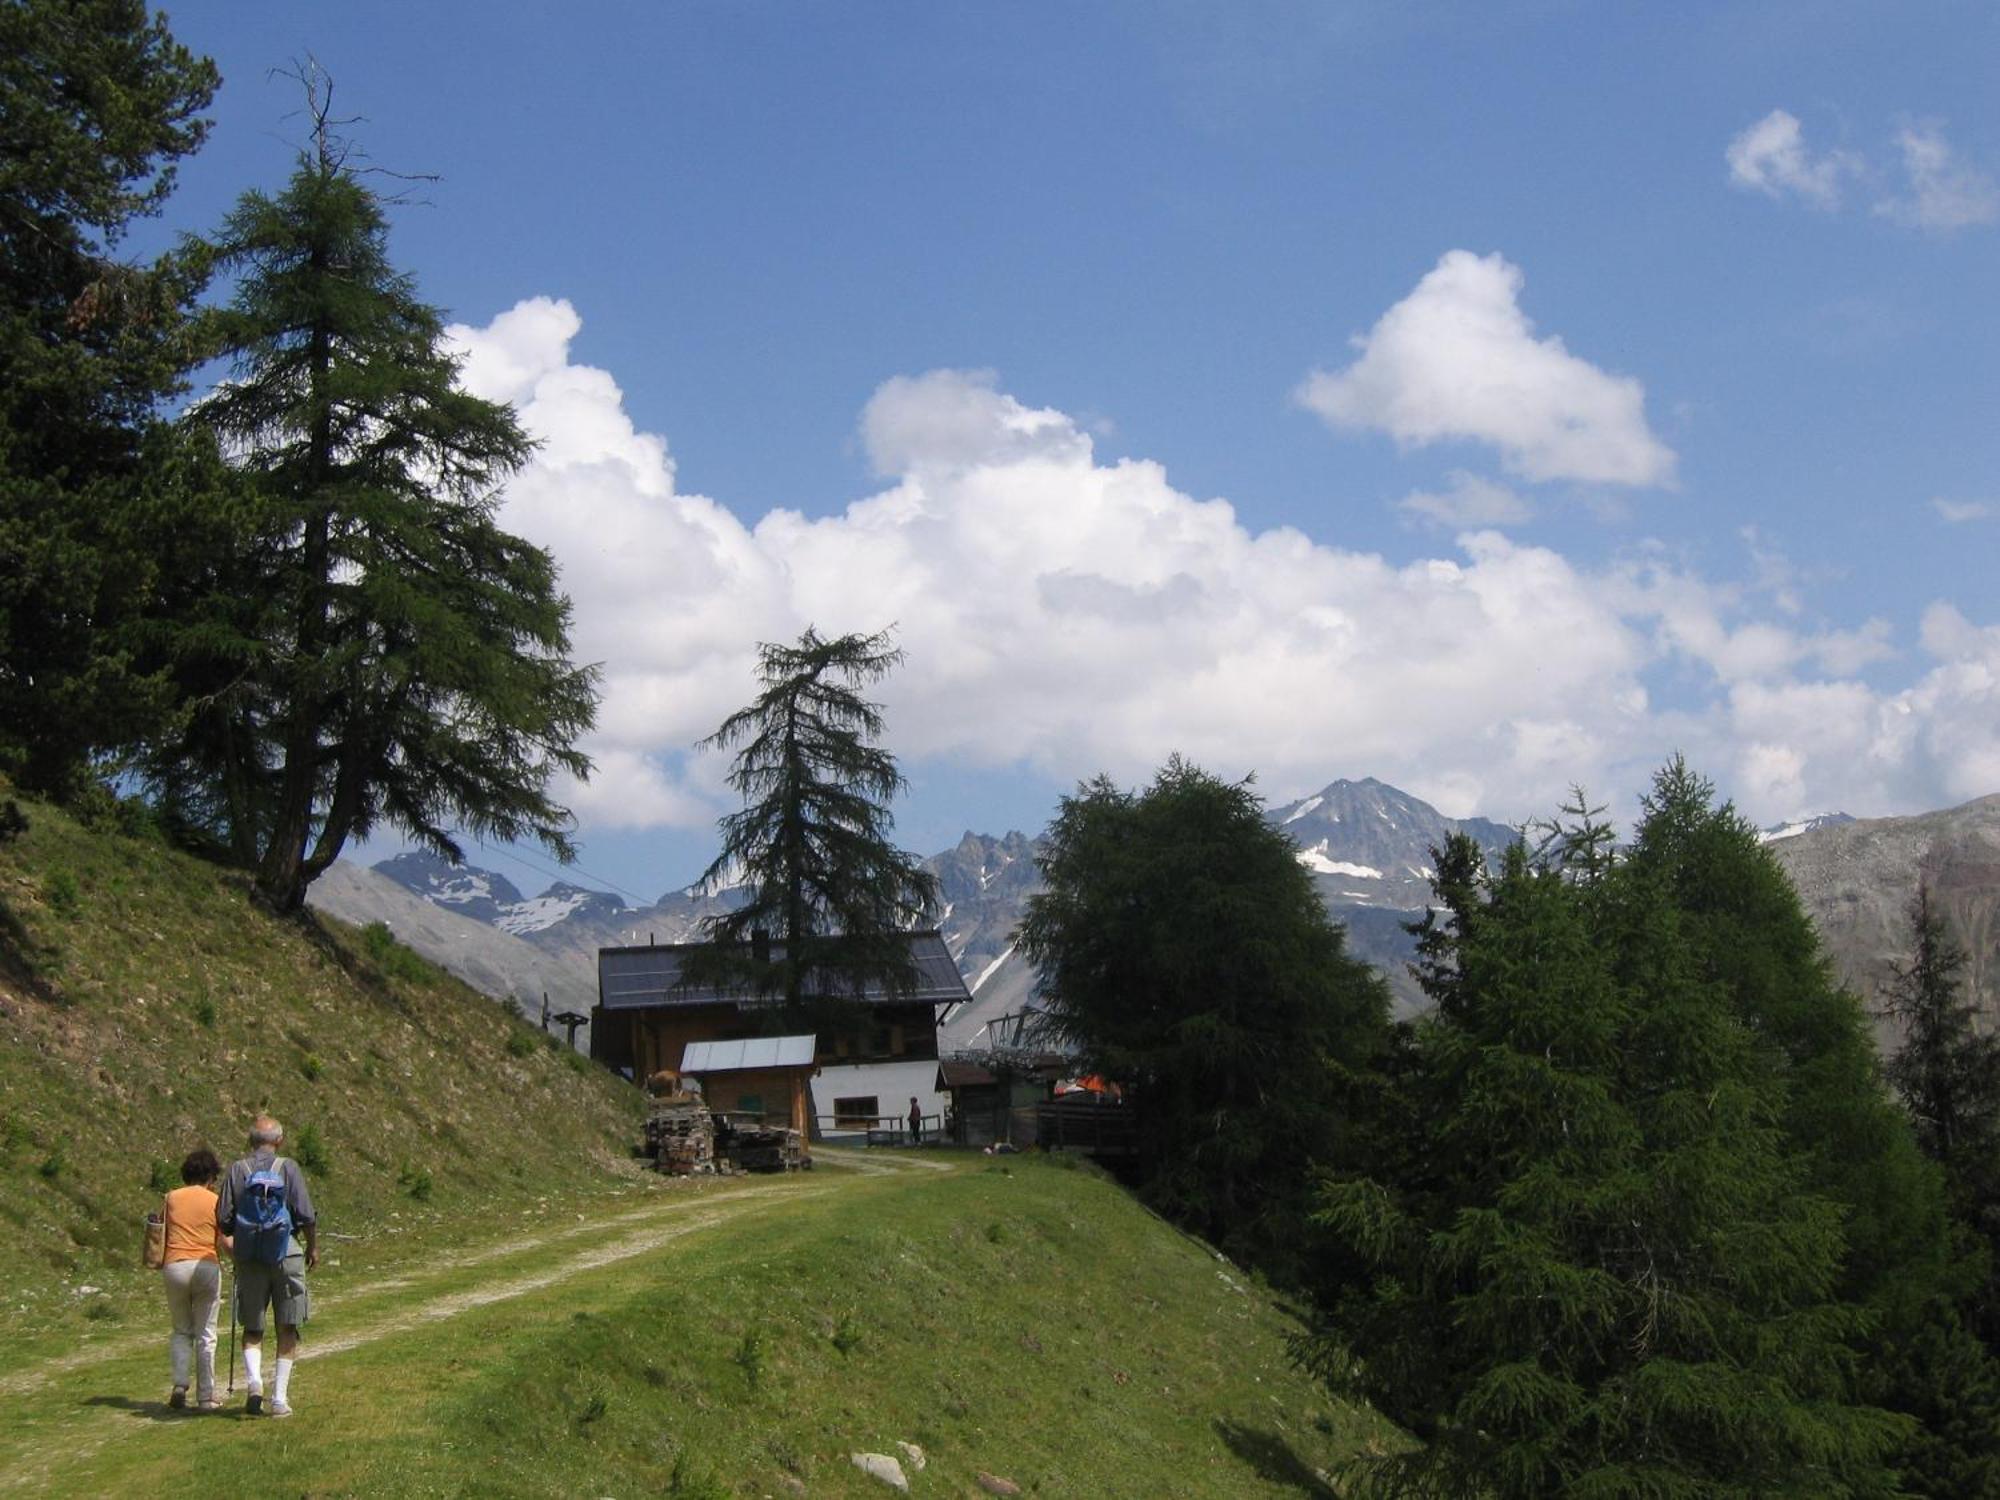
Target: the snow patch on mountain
(989, 971)
(549, 908)
(1303, 808)
(1315, 859)
(465, 889)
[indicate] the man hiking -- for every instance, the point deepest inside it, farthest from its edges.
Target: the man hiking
(264, 1203)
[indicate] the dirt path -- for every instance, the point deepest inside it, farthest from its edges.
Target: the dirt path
(619, 1236)
(21, 1382)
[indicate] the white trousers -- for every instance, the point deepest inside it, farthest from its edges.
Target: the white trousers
(194, 1291)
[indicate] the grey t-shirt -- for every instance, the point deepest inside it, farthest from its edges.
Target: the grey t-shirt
(297, 1198)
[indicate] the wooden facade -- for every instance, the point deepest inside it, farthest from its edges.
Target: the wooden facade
(881, 1050)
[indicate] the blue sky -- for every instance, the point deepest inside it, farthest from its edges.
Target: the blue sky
(1583, 382)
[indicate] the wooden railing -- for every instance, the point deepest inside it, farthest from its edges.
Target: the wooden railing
(877, 1130)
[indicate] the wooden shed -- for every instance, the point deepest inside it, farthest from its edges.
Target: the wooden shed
(767, 1079)
(994, 1097)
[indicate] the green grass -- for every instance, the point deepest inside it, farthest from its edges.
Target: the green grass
(148, 1005)
(508, 1307)
(1087, 1350)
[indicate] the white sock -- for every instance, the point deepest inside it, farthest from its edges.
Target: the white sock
(282, 1379)
(253, 1368)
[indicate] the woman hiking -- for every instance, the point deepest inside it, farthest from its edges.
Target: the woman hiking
(192, 1272)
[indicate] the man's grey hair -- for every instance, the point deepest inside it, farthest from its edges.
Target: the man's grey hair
(265, 1131)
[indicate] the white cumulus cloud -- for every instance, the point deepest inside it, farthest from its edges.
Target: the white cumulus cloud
(1943, 192)
(1458, 359)
(1466, 502)
(1771, 157)
(1073, 614)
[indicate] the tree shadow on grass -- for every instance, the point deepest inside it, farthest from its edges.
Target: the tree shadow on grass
(1272, 1457)
(21, 959)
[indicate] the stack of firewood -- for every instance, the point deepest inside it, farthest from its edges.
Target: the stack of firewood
(768, 1148)
(680, 1135)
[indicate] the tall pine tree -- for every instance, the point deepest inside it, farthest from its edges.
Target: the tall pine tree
(97, 103)
(811, 843)
(379, 649)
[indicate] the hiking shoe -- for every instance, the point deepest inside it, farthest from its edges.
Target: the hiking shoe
(280, 1409)
(179, 1399)
(253, 1404)
(209, 1403)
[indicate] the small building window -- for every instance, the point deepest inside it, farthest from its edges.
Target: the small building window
(856, 1114)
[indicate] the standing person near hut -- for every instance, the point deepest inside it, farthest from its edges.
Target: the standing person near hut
(916, 1122)
(265, 1205)
(192, 1272)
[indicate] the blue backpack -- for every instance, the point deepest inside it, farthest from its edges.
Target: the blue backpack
(263, 1218)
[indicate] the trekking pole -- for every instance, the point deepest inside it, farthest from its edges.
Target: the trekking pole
(232, 1340)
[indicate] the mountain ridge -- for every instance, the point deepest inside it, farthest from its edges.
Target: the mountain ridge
(1366, 845)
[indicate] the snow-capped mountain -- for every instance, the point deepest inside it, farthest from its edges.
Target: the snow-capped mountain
(1368, 844)
(482, 895)
(1791, 830)
(476, 951)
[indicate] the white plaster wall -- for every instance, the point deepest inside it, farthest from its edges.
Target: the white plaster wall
(892, 1084)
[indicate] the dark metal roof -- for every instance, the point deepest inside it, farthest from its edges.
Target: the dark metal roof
(964, 1075)
(645, 978)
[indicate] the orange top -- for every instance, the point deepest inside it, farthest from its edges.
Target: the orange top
(190, 1224)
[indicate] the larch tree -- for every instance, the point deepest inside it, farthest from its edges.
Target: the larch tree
(1905, 1264)
(379, 650)
(811, 847)
(97, 104)
(1182, 949)
(1598, 1266)
(1751, 938)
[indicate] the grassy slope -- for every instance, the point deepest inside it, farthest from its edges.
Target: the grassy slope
(147, 1005)
(1023, 1320)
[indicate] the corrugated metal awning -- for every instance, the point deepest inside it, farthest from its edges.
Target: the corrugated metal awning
(751, 1052)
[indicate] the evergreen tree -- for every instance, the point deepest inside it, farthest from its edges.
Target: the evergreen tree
(1946, 1071)
(1750, 936)
(378, 650)
(1183, 949)
(811, 842)
(1600, 1267)
(1948, 1076)
(97, 103)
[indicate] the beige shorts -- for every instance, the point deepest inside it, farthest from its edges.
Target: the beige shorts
(282, 1286)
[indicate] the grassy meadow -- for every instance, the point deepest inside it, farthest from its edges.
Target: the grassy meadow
(508, 1305)
(743, 1338)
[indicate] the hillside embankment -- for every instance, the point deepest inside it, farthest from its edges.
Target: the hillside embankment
(149, 1005)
